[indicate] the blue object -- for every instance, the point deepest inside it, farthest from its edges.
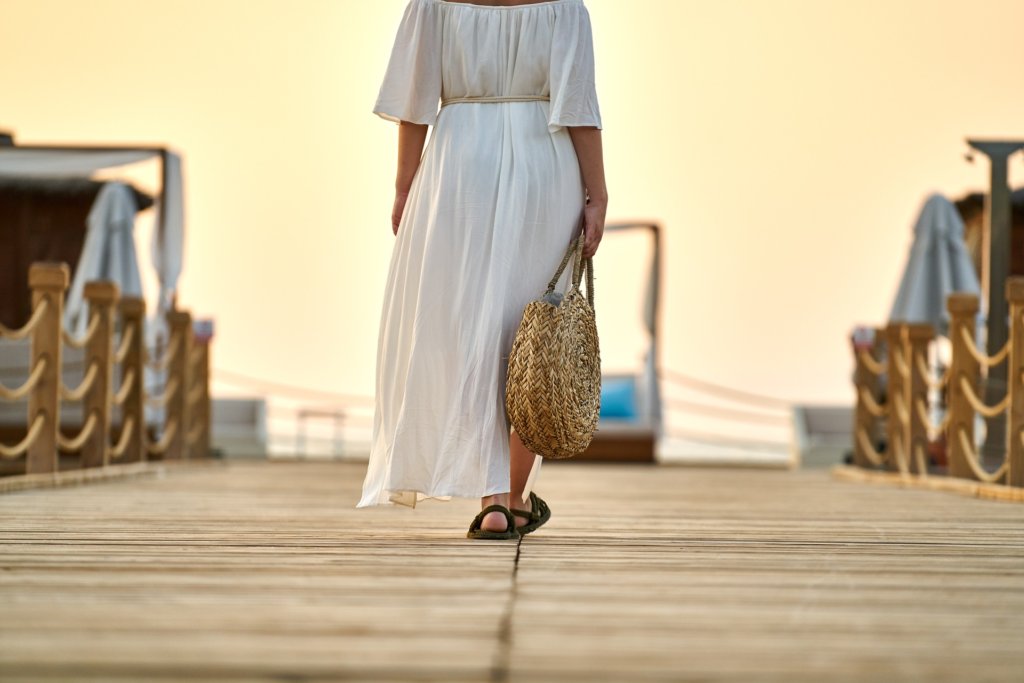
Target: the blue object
(618, 397)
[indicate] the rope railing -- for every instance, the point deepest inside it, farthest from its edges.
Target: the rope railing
(873, 366)
(876, 457)
(28, 328)
(725, 413)
(900, 459)
(871, 405)
(898, 392)
(901, 366)
(127, 431)
(127, 337)
(34, 432)
(165, 396)
(127, 384)
(86, 385)
(900, 406)
(926, 374)
(980, 406)
(162, 361)
(182, 369)
(81, 342)
(74, 445)
(973, 461)
(31, 383)
(972, 348)
(160, 446)
(194, 396)
(752, 399)
(935, 431)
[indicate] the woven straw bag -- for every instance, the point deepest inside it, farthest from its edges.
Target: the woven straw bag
(553, 392)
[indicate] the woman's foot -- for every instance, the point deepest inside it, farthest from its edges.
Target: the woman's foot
(522, 514)
(494, 521)
(530, 520)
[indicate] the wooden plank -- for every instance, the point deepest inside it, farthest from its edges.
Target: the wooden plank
(265, 571)
(247, 571)
(964, 487)
(744, 575)
(21, 482)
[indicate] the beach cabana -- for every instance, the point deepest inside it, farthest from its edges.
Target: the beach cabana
(631, 410)
(105, 249)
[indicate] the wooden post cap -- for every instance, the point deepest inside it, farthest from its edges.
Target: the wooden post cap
(48, 275)
(1015, 289)
(920, 331)
(180, 317)
(133, 305)
(962, 302)
(102, 291)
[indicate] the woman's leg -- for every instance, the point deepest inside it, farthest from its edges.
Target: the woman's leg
(522, 463)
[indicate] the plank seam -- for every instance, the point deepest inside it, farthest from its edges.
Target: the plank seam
(503, 655)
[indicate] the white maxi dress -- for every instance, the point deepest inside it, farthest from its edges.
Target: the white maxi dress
(495, 202)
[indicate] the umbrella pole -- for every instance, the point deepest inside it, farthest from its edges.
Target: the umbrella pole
(995, 271)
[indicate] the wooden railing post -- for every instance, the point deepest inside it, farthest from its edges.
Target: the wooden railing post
(102, 296)
(1015, 384)
(916, 391)
(895, 433)
(178, 370)
(48, 282)
(201, 410)
(963, 312)
(133, 410)
(865, 382)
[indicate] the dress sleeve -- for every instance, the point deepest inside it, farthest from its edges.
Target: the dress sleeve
(573, 92)
(412, 83)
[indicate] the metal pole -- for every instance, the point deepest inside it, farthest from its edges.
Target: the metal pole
(995, 270)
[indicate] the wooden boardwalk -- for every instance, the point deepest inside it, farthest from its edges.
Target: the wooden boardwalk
(265, 572)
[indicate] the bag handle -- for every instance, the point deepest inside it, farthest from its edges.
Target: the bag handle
(576, 250)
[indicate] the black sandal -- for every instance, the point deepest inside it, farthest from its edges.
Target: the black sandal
(539, 514)
(477, 531)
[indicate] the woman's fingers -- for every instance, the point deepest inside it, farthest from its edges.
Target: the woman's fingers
(397, 210)
(593, 229)
(592, 240)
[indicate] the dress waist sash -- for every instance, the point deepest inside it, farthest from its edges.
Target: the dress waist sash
(496, 98)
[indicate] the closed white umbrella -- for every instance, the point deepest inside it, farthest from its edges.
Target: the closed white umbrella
(108, 252)
(939, 264)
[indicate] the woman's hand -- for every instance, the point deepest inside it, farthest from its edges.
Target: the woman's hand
(593, 226)
(589, 151)
(411, 137)
(398, 210)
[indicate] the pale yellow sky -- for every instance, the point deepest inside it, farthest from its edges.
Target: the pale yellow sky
(786, 147)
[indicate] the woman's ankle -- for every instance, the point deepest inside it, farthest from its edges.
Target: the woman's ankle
(501, 499)
(517, 502)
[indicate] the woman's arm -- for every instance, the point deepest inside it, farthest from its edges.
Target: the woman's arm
(411, 137)
(587, 141)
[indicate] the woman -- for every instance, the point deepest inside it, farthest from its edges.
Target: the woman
(482, 216)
